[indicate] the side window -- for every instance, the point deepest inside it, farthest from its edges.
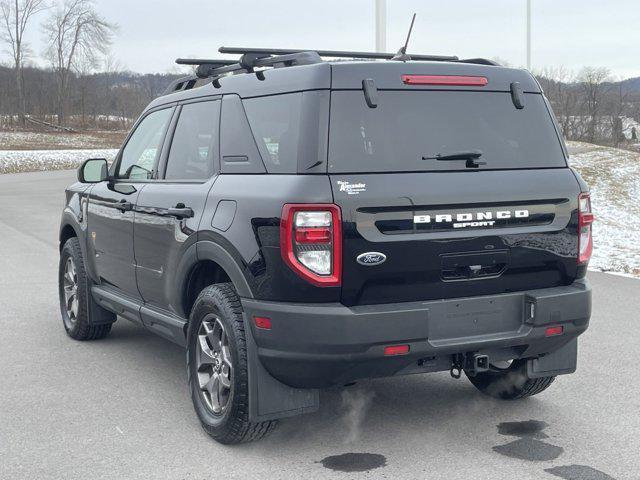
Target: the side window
(141, 151)
(195, 142)
(275, 121)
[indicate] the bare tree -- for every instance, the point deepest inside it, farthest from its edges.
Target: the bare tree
(15, 16)
(618, 106)
(592, 83)
(76, 35)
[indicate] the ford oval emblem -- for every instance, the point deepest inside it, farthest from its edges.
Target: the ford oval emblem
(371, 258)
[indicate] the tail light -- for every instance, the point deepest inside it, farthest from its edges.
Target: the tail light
(311, 242)
(585, 219)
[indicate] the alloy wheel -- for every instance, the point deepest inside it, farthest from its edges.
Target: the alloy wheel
(214, 365)
(70, 288)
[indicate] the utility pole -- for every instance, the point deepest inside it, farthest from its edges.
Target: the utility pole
(528, 34)
(381, 25)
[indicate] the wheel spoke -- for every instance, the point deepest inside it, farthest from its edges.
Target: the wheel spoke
(226, 356)
(215, 393)
(205, 355)
(207, 385)
(225, 381)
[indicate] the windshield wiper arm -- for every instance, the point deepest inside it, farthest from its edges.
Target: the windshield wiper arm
(471, 157)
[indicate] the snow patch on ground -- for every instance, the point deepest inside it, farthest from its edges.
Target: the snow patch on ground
(15, 161)
(614, 177)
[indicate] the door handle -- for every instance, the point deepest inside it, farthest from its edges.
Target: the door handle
(124, 206)
(180, 211)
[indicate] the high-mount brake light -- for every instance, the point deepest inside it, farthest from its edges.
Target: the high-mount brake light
(311, 242)
(585, 219)
(443, 80)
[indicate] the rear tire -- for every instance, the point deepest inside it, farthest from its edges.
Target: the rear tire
(510, 383)
(74, 289)
(217, 367)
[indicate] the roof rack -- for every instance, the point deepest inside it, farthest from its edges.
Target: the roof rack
(252, 58)
(334, 53)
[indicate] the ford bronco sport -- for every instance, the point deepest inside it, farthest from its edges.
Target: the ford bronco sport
(298, 224)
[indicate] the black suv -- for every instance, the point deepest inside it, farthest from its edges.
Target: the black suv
(299, 224)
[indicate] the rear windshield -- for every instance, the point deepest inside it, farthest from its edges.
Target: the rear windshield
(409, 125)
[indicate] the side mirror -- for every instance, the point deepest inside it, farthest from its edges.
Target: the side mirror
(94, 170)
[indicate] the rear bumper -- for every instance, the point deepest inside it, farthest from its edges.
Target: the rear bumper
(320, 345)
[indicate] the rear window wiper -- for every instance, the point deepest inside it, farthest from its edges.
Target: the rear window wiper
(470, 156)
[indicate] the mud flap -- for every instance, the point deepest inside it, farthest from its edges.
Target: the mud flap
(97, 314)
(269, 398)
(561, 362)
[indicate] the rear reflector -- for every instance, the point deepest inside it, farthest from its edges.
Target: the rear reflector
(396, 350)
(455, 80)
(262, 322)
(553, 331)
(313, 235)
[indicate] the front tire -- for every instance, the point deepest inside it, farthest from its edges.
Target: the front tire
(217, 367)
(74, 291)
(510, 382)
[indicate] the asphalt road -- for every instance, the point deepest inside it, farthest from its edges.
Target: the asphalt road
(119, 408)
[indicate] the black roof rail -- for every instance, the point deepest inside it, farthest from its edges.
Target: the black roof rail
(202, 61)
(333, 53)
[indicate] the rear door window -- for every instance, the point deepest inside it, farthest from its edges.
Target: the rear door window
(409, 125)
(194, 145)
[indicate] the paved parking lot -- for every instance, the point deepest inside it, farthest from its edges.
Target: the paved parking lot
(119, 408)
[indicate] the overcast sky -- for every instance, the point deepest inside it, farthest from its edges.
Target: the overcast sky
(569, 33)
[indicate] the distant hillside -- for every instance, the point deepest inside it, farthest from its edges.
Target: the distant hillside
(632, 84)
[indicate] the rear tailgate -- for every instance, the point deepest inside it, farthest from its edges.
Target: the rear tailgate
(451, 228)
(441, 259)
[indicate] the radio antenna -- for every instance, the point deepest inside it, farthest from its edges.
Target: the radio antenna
(402, 53)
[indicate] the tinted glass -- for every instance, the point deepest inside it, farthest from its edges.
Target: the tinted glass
(141, 151)
(407, 126)
(275, 122)
(195, 142)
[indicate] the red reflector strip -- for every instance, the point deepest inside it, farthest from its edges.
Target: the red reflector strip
(553, 331)
(262, 322)
(587, 218)
(457, 80)
(396, 350)
(313, 235)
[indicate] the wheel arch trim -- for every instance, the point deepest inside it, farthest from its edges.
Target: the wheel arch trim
(208, 250)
